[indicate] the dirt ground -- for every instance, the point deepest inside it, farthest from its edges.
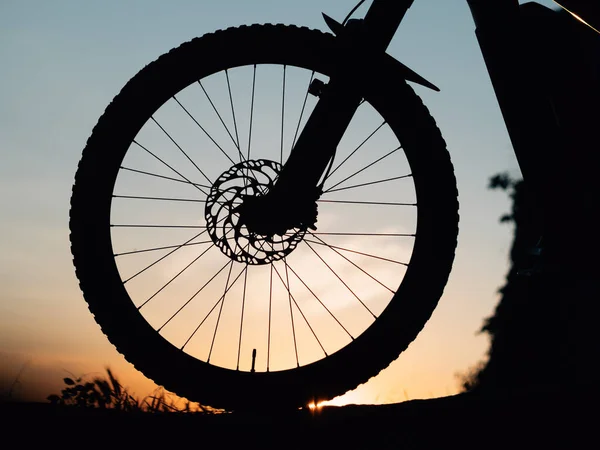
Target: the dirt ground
(508, 421)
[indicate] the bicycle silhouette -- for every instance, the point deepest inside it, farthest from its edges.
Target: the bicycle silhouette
(269, 214)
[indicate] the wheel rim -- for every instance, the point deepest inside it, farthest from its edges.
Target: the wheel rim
(316, 295)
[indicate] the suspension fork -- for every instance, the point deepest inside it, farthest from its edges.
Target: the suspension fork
(315, 148)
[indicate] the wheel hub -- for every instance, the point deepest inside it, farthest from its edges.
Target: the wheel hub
(251, 226)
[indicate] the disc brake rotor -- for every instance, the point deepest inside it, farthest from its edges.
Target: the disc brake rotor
(235, 189)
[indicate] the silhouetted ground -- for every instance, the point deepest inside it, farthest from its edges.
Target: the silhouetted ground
(532, 420)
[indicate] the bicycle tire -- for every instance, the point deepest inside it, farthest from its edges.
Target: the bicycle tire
(372, 351)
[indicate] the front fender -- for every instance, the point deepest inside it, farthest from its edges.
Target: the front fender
(386, 63)
(391, 64)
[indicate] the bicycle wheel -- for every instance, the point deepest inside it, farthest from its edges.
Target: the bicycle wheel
(222, 316)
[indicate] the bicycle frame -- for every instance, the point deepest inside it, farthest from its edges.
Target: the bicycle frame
(504, 35)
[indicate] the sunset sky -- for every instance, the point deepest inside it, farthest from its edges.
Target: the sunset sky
(63, 62)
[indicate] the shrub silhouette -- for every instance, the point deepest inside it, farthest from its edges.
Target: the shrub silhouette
(524, 329)
(108, 393)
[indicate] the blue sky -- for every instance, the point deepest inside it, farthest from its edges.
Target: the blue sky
(63, 62)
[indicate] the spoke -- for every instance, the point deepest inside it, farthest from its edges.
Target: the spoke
(173, 169)
(291, 314)
(282, 115)
(312, 75)
(287, 285)
(270, 302)
(161, 248)
(219, 116)
(186, 181)
(319, 300)
(220, 311)
(367, 203)
(369, 183)
(251, 110)
(205, 132)
(214, 306)
(168, 199)
(301, 313)
(365, 234)
(194, 296)
(357, 148)
(242, 316)
(156, 226)
(366, 167)
(222, 301)
(168, 254)
(354, 251)
(180, 149)
(174, 277)
(359, 268)
(237, 137)
(340, 279)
